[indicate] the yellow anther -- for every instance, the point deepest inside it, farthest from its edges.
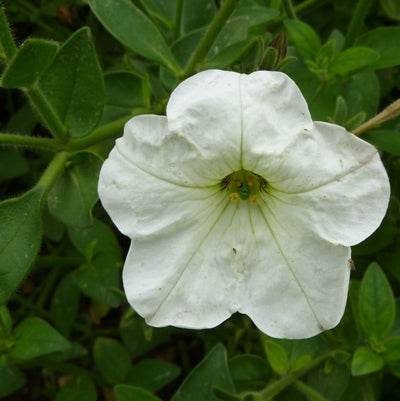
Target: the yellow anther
(254, 199)
(250, 181)
(234, 196)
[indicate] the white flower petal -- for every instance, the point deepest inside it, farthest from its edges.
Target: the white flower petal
(178, 278)
(237, 257)
(297, 285)
(338, 188)
(274, 114)
(206, 109)
(140, 185)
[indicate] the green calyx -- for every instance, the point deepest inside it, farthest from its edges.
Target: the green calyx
(243, 184)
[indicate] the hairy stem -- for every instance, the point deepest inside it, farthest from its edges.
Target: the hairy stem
(47, 114)
(53, 170)
(275, 388)
(309, 391)
(99, 134)
(209, 37)
(29, 141)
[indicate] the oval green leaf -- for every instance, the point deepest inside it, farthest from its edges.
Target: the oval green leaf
(352, 59)
(124, 392)
(365, 362)
(73, 84)
(385, 41)
(112, 359)
(35, 337)
(305, 39)
(35, 53)
(377, 307)
(20, 239)
(75, 192)
(211, 372)
(134, 30)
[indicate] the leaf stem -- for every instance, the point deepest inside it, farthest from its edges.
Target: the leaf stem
(53, 170)
(7, 45)
(309, 391)
(29, 141)
(178, 18)
(288, 7)
(209, 37)
(47, 114)
(275, 388)
(99, 134)
(356, 22)
(392, 111)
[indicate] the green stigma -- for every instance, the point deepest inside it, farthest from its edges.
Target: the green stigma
(243, 184)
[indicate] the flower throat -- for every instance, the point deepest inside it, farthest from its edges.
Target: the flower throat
(243, 184)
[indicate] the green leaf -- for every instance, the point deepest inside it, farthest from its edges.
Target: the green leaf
(124, 392)
(98, 277)
(385, 41)
(363, 94)
(75, 192)
(365, 362)
(197, 14)
(12, 164)
(35, 53)
(82, 388)
(124, 92)
(65, 304)
(277, 356)
(120, 16)
(134, 335)
(377, 307)
(392, 350)
(384, 139)
(112, 360)
(162, 10)
(104, 238)
(5, 323)
(210, 372)
(73, 84)
(11, 378)
(249, 372)
(330, 385)
(391, 8)
(34, 337)
(20, 238)
(353, 59)
(305, 39)
(153, 374)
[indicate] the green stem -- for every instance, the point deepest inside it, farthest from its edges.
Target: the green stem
(47, 114)
(209, 37)
(306, 4)
(178, 18)
(289, 10)
(29, 141)
(356, 22)
(275, 388)
(7, 45)
(309, 391)
(53, 170)
(100, 134)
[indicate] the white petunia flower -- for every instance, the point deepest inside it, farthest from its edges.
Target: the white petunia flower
(238, 201)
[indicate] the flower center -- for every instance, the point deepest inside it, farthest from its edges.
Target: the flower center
(243, 184)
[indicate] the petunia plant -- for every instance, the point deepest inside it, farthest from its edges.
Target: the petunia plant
(199, 200)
